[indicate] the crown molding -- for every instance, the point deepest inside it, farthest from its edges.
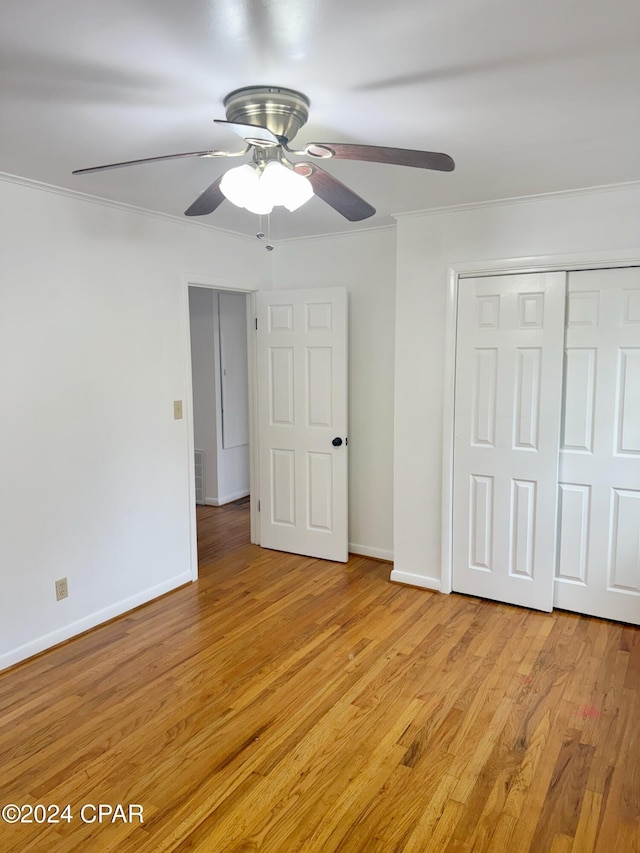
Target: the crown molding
(332, 235)
(29, 183)
(524, 199)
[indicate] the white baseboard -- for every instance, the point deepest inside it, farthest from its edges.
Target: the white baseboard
(422, 581)
(366, 551)
(227, 499)
(47, 641)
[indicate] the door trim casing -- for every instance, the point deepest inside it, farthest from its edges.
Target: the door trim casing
(474, 269)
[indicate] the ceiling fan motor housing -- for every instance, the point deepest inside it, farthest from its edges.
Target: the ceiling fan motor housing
(282, 111)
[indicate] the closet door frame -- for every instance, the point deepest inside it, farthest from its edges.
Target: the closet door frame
(457, 272)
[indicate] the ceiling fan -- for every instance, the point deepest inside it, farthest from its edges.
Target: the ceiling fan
(267, 118)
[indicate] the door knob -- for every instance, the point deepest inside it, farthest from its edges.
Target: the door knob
(337, 441)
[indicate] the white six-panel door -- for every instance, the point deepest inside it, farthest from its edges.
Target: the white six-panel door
(302, 408)
(510, 337)
(598, 569)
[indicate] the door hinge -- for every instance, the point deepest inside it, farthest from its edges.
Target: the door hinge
(256, 324)
(258, 506)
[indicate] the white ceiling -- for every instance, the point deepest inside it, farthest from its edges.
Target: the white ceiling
(528, 96)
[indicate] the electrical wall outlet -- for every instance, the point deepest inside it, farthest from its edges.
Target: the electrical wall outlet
(177, 410)
(62, 589)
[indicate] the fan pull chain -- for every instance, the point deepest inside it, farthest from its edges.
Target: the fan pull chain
(261, 235)
(269, 246)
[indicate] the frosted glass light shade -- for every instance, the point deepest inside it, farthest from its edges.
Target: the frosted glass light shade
(241, 187)
(259, 192)
(284, 186)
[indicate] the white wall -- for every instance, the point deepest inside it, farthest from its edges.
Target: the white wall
(566, 224)
(234, 368)
(233, 462)
(364, 263)
(232, 410)
(93, 482)
(226, 468)
(205, 433)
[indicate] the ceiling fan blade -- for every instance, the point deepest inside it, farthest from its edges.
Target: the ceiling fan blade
(335, 193)
(207, 201)
(378, 154)
(147, 160)
(252, 134)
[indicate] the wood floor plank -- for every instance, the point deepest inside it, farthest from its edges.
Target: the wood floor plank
(587, 829)
(284, 703)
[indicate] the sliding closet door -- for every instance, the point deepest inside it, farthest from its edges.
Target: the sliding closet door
(599, 491)
(510, 338)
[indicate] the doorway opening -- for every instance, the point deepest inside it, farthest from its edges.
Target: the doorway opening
(296, 356)
(219, 320)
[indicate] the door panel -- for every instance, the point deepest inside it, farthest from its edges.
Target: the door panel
(302, 407)
(283, 478)
(598, 570)
(280, 383)
(507, 403)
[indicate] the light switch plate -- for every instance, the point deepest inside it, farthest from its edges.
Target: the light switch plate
(177, 410)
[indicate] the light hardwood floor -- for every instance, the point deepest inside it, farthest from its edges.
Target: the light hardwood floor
(287, 704)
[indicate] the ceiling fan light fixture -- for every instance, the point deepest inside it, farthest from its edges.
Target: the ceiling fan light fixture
(259, 191)
(267, 118)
